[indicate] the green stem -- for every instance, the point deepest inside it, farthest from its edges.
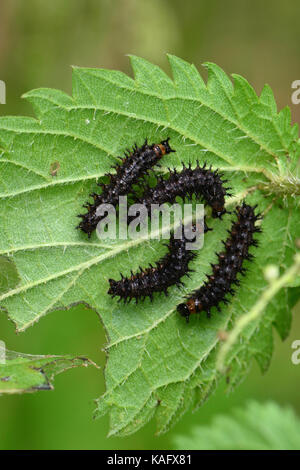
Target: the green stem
(256, 311)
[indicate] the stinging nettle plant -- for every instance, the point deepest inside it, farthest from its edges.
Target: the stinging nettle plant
(156, 363)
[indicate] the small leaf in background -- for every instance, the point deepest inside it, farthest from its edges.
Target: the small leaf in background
(156, 363)
(21, 373)
(259, 426)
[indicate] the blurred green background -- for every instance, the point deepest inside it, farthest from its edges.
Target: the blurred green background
(38, 43)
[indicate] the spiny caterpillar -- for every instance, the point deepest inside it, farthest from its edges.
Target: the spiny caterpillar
(201, 181)
(224, 274)
(133, 166)
(167, 272)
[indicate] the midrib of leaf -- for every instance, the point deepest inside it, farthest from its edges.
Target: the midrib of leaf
(76, 179)
(114, 250)
(52, 245)
(82, 266)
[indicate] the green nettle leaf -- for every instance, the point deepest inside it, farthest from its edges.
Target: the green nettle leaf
(256, 427)
(157, 364)
(21, 373)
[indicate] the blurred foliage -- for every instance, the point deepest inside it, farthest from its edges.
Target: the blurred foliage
(258, 426)
(38, 43)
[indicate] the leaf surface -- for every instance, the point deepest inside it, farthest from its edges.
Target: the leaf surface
(21, 373)
(156, 363)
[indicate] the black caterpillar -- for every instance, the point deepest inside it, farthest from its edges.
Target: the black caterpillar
(201, 181)
(168, 271)
(133, 166)
(219, 283)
